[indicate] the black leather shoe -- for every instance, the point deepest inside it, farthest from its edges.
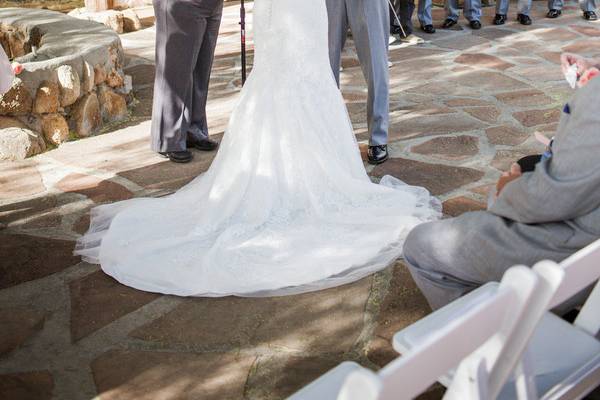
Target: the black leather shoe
(428, 28)
(378, 154)
(181, 157)
(204, 144)
(590, 15)
(500, 19)
(395, 30)
(448, 23)
(524, 19)
(554, 14)
(475, 25)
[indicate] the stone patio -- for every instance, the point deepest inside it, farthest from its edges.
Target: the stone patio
(463, 106)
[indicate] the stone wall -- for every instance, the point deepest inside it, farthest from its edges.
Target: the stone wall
(72, 83)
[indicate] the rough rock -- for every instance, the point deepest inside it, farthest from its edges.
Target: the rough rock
(70, 86)
(112, 105)
(86, 117)
(55, 128)
(115, 79)
(111, 18)
(47, 98)
(17, 142)
(88, 78)
(17, 44)
(17, 101)
(99, 74)
(131, 21)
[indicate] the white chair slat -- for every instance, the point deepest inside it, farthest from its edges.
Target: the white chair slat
(582, 270)
(589, 316)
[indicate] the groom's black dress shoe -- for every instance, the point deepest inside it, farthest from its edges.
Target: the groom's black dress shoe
(178, 156)
(448, 23)
(428, 28)
(377, 154)
(500, 19)
(475, 24)
(524, 19)
(203, 144)
(554, 13)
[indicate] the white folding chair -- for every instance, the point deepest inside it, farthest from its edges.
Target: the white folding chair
(497, 307)
(558, 360)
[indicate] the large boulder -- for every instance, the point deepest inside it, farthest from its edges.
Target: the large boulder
(70, 86)
(115, 79)
(47, 98)
(88, 78)
(17, 142)
(17, 101)
(99, 74)
(131, 22)
(55, 128)
(86, 117)
(112, 105)
(110, 18)
(17, 43)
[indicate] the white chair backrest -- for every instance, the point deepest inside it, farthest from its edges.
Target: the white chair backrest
(413, 373)
(582, 269)
(513, 339)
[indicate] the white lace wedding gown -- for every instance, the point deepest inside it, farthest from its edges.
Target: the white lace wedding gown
(286, 206)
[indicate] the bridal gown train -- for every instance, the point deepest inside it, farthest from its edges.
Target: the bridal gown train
(286, 206)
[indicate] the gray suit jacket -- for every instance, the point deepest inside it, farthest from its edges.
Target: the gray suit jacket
(547, 214)
(564, 191)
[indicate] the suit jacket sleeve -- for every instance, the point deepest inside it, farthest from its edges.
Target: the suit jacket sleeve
(567, 185)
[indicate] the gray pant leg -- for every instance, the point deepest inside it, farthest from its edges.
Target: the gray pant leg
(587, 5)
(180, 29)
(524, 6)
(424, 12)
(452, 9)
(449, 258)
(472, 10)
(369, 20)
(555, 4)
(198, 126)
(502, 7)
(338, 30)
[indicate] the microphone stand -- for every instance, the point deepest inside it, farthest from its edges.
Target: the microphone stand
(243, 39)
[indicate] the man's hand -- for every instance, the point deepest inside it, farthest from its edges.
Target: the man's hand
(507, 177)
(587, 76)
(583, 64)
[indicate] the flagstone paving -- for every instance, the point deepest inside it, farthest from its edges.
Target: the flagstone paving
(463, 106)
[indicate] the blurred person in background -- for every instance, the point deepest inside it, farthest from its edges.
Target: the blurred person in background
(587, 6)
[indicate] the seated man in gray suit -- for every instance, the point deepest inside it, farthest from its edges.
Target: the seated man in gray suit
(549, 213)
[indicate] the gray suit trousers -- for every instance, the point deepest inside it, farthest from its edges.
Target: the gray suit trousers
(471, 9)
(585, 5)
(369, 21)
(523, 6)
(186, 36)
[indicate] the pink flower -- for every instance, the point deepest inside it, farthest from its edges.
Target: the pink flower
(17, 68)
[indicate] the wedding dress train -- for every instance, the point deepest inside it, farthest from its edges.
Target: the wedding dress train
(286, 206)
